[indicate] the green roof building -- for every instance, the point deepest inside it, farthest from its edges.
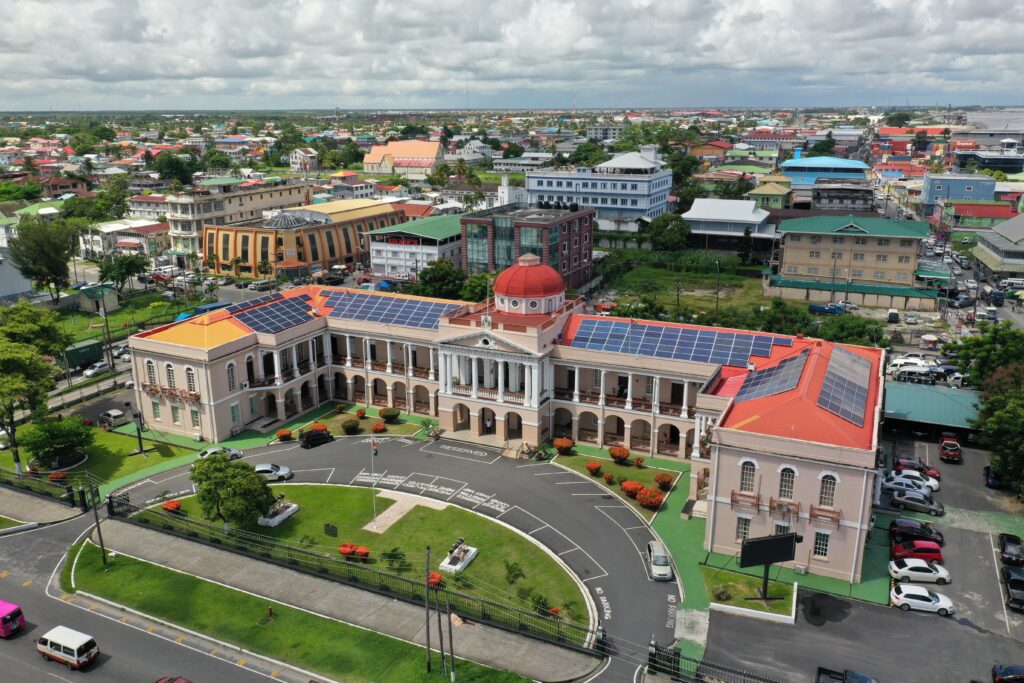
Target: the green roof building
(400, 252)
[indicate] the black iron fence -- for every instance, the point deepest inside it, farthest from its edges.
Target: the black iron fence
(671, 662)
(74, 489)
(544, 626)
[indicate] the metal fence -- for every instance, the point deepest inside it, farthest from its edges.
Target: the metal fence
(74, 490)
(671, 662)
(507, 616)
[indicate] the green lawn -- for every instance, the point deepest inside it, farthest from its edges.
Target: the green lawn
(323, 645)
(644, 475)
(7, 522)
(349, 509)
(739, 587)
(697, 291)
(134, 310)
(400, 428)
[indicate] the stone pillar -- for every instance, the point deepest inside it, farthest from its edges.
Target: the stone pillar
(328, 353)
(600, 427)
(312, 355)
(408, 361)
(388, 345)
(501, 380)
(474, 373)
(442, 382)
(656, 398)
(695, 449)
(576, 388)
(366, 358)
(600, 400)
(529, 386)
(277, 368)
(348, 350)
(686, 398)
(352, 389)
(430, 352)
(629, 391)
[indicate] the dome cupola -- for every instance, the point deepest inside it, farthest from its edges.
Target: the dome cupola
(529, 287)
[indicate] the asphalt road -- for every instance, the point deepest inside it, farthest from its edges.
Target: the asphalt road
(590, 530)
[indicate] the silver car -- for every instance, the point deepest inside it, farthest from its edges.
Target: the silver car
(229, 453)
(274, 472)
(917, 501)
(659, 561)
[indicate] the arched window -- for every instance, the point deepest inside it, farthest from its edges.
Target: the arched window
(170, 376)
(747, 471)
(827, 497)
(190, 380)
(151, 372)
(231, 377)
(786, 479)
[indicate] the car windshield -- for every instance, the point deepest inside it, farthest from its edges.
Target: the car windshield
(659, 561)
(272, 468)
(900, 564)
(934, 597)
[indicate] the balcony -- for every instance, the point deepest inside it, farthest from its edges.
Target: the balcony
(782, 506)
(462, 390)
(825, 514)
(563, 394)
(379, 365)
(744, 499)
(670, 409)
(398, 368)
(421, 372)
(262, 381)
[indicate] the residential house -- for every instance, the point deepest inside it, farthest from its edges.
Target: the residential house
(153, 206)
(954, 186)
(713, 151)
(1001, 250)
(772, 192)
(303, 159)
(530, 161)
(409, 159)
(112, 237)
(724, 223)
(605, 132)
(835, 194)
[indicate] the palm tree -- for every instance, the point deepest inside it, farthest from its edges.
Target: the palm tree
(476, 199)
(264, 268)
(460, 168)
(513, 572)
(235, 263)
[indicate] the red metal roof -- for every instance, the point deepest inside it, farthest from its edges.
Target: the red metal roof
(997, 211)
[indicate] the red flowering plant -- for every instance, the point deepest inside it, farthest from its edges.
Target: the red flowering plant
(663, 480)
(650, 498)
(639, 461)
(347, 550)
(620, 454)
(563, 445)
(171, 506)
(318, 427)
(363, 553)
(378, 428)
(434, 579)
(594, 468)
(57, 476)
(631, 488)
(361, 413)
(609, 478)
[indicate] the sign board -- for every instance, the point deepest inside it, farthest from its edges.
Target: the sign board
(768, 550)
(331, 530)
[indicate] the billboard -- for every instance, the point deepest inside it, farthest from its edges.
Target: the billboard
(768, 550)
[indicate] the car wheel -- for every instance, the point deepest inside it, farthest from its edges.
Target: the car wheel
(941, 582)
(904, 579)
(933, 513)
(901, 506)
(70, 668)
(943, 612)
(905, 607)
(898, 538)
(44, 656)
(280, 478)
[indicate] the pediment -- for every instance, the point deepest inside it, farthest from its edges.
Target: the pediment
(485, 341)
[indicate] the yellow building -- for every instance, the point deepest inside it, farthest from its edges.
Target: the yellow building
(411, 159)
(299, 240)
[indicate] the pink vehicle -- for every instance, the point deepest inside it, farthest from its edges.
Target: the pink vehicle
(11, 619)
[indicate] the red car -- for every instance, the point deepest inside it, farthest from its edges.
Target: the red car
(917, 465)
(949, 448)
(160, 277)
(921, 550)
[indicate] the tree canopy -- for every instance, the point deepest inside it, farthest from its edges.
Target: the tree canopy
(982, 355)
(122, 268)
(589, 154)
(26, 324)
(26, 379)
(512, 151)
(231, 491)
(171, 166)
(14, 191)
(898, 119)
(50, 438)
(476, 288)
(668, 232)
(41, 252)
(440, 279)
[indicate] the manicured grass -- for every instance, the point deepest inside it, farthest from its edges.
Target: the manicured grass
(7, 522)
(644, 475)
(135, 308)
(698, 290)
(739, 587)
(366, 425)
(331, 648)
(349, 509)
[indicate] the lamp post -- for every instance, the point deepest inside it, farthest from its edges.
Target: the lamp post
(718, 286)
(137, 418)
(836, 255)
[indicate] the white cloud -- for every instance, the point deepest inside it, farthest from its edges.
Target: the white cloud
(114, 54)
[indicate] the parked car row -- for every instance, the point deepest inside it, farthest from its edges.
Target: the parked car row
(917, 558)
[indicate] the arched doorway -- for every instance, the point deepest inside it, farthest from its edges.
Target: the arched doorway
(562, 423)
(270, 405)
(398, 395)
(588, 427)
(487, 421)
(668, 439)
(460, 417)
(421, 399)
(691, 436)
(321, 388)
(306, 396)
(380, 392)
(513, 426)
(614, 430)
(640, 435)
(340, 386)
(358, 388)
(290, 408)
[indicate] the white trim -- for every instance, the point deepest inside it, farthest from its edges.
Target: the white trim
(823, 473)
(745, 515)
(787, 465)
(746, 459)
(827, 532)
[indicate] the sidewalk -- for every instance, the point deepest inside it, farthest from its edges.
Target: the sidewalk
(483, 644)
(25, 507)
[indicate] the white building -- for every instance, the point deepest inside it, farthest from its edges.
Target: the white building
(101, 238)
(400, 251)
(727, 218)
(628, 190)
(528, 162)
(605, 131)
(152, 206)
(303, 159)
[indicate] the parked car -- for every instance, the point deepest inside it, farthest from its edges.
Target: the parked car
(659, 563)
(4, 440)
(893, 483)
(913, 475)
(274, 472)
(241, 284)
(97, 368)
(910, 569)
(908, 597)
(949, 451)
(1011, 550)
(914, 354)
(911, 319)
(314, 439)
(917, 465)
(972, 284)
(229, 453)
(918, 502)
(1013, 580)
(848, 305)
(224, 281)
(119, 350)
(1008, 673)
(992, 480)
(907, 529)
(920, 550)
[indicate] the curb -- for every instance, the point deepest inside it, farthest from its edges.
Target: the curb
(21, 527)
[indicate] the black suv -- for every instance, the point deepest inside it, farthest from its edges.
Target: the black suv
(1013, 579)
(905, 529)
(313, 439)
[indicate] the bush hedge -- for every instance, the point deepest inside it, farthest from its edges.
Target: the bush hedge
(663, 480)
(563, 445)
(631, 488)
(594, 468)
(390, 415)
(650, 498)
(620, 454)
(283, 434)
(350, 427)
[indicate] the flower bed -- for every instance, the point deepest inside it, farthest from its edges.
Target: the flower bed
(664, 481)
(563, 445)
(650, 498)
(283, 434)
(631, 488)
(318, 427)
(171, 506)
(378, 428)
(620, 454)
(594, 468)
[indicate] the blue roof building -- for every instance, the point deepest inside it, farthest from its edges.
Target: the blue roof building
(807, 170)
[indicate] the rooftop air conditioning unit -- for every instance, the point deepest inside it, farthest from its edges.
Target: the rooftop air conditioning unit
(245, 385)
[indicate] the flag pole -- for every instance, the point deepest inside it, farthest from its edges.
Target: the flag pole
(373, 478)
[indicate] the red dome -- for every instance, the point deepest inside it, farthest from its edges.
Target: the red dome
(529, 279)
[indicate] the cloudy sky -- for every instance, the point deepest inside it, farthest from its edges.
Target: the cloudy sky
(288, 54)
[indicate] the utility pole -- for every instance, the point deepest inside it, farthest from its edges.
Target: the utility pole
(94, 495)
(718, 286)
(426, 604)
(440, 631)
(451, 641)
(679, 286)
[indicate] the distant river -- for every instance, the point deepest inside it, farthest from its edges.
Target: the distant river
(1010, 119)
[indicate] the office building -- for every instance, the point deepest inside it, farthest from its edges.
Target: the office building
(400, 252)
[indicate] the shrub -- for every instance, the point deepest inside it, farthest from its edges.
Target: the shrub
(663, 480)
(171, 506)
(350, 427)
(87, 422)
(639, 461)
(363, 553)
(594, 468)
(389, 415)
(609, 478)
(435, 579)
(57, 476)
(347, 550)
(540, 603)
(620, 454)
(722, 594)
(563, 445)
(361, 413)
(650, 498)
(283, 434)
(318, 427)
(554, 611)
(378, 428)
(631, 488)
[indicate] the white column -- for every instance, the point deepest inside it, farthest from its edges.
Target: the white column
(695, 451)
(501, 380)
(328, 355)
(408, 362)
(430, 352)
(277, 367)
(576, 385)
(348, 350)
(686, 397)
(600, 400)
(629, 391)
(442, 381)
(475, 375)
(656, 399)
(528, 386)
(366, 355)
(312, 355)
(388, 345)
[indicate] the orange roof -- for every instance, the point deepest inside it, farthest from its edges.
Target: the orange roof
(403, 149)
(414, 210)
(202, 332)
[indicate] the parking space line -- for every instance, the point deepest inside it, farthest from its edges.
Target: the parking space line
(999, 583)
(626, 531)
(532, 464)
(483, 501)
(571, 483)
(541, 528)
(548, 474)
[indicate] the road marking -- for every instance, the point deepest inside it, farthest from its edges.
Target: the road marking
(123, 619)
(328, 480)
(26, 583)
(624, 530)
(93, 607)
(274, 674)
(482, 501)
(150, 629)
(591, 494)
(566, 552)
(456, 491)
(179, 638)
(4, 574)
(240, 662)
(548, 474)
(570, 483)
(540, 528)
(214, 650)
(999, 582)
(532, 464)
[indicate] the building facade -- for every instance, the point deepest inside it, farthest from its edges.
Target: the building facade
(724, 222)
(772, 438)
(494, 239)
(952, 186)
(410, 159)
(605, 132)
(1001, 249)
(400, 252)
(1008, 158)
(147, 206)
(111, 237)
(626, 192)
(842, 195)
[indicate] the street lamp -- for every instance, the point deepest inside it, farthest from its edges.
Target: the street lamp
(718, 286)
(137, 418)
(836, 255)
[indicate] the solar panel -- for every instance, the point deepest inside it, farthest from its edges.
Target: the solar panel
(783, 376)
(242, 305)
(276, 316)
(844, 391)
(660, 341)
(387, 310)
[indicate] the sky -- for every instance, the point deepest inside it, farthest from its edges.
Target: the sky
(383, 54)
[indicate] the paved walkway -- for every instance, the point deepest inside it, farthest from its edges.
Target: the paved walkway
(490, 646)
(25, 507)
(403, 503)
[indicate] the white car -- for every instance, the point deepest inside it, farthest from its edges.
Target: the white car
(972, 284)
(918, 571)
(913, 355)
(900, 363)
(4, 444)
(914, 475)
(848, 305)
(957, 270)
(909, 596)
(230, 453)
(97, 368)
(273, 472)
(891, 484)
(910, 319)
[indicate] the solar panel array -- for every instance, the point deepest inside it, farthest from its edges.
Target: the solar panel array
(783, 376)
(660, 341)
(844, 391)
(277, 316)
(387, 310)
(242, 305)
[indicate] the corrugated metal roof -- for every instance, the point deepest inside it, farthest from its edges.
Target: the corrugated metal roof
(943, 406)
